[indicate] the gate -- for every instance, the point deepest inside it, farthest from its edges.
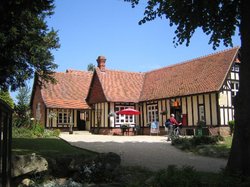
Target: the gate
(5, 143)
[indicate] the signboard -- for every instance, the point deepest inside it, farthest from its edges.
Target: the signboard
(154, 128)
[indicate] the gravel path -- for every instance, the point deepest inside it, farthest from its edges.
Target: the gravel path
(153, 152)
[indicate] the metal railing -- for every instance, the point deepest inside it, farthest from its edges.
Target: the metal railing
(5, 143)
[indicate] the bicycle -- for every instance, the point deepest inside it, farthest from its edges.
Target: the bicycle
(174, 131)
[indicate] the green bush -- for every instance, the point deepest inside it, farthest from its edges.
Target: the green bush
(182, 143)
(203, 145)
(56, 132)
(173, 176)
(36, 130)
(21, 132)
(199, 140)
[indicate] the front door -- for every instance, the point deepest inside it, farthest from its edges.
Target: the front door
(177, 112)
(81, 120)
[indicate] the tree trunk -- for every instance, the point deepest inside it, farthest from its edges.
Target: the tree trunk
(239, 159)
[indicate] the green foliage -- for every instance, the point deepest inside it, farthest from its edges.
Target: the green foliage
(173, 176)
(188, 16)
(22, 109)
(91, 67)
(26, 42)
(5, 96)
(135, 176)
(56, 132)
(179, 177)
(205, 145)
(199, 140)
(34, 130)
(231, 125)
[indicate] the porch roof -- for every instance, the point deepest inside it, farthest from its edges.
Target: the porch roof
(70, 90)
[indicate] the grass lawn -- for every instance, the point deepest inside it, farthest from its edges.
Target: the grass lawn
(48, 147)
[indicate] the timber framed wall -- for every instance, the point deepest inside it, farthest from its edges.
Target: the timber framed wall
(227, 94)
(188, 105)
(52, 120)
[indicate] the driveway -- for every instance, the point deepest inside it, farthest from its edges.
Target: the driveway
(153, 152)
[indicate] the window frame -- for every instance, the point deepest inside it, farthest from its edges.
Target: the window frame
(152, 113)
(121, 119)
(234, 89)
(64, 116)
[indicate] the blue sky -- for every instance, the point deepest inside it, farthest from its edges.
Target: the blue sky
(89, 28)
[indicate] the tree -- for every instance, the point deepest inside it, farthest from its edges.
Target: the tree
(22, 109)
(5, 95)
(26, 42)
(219, 19)
(91, 67)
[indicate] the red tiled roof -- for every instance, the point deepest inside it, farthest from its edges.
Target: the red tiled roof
(201, 75)
(121, 86)
(70, 90)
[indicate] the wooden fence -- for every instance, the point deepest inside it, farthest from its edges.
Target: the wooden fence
(5, 144)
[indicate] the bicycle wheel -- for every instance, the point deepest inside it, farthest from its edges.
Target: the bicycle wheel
(176, 132)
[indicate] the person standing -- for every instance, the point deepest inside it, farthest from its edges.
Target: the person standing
(173, 123)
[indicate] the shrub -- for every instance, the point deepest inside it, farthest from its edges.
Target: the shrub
(21, 132)
(182, 143)
(173, 176)
(36, 130)
(56, 132)
(200, 140)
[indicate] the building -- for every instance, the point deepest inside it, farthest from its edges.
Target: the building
(199, 90)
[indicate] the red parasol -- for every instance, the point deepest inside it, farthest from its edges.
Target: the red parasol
(129, 111)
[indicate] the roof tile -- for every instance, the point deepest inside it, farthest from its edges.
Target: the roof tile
(121, 86)
(70, 90)
(201, 75)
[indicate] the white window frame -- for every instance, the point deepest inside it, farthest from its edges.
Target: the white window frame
(123, 119)
(152, 113)
(64, 116)
(234, 90)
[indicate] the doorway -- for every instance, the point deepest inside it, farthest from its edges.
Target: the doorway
(81, 120)
(177, 112)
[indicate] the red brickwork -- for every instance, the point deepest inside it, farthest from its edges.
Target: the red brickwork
(38, 99)
(96, 94)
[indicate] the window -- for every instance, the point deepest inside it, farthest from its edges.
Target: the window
(38, 111)
(201, 113)
(152, 113)
(64, 116)
(234, 88)
(236, 68)
(124, 119)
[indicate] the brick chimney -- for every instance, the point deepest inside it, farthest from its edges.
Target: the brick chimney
(101, 60)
